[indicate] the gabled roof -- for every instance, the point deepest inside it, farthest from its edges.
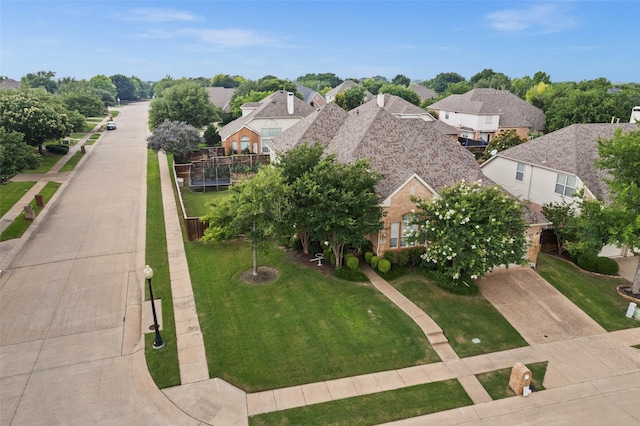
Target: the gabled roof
(444, 128)
(347, 84)
(273, 106)
(423, 92)
(221, 97)
(397, 148)
(571, 150)
(514, 112)
(306, 92)
(9, 83)
(401, 107)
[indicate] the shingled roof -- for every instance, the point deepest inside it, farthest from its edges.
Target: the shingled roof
(514, 112)
(571, 150)
(396, 148)
(273, 106)
(221, 97)
(423, 92)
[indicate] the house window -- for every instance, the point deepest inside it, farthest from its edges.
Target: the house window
(487, 119)
(446, 115)
(407, 228)
(565, 185)
(244, 145)
(520, 172)
(267, 134)
(234, 147)
(395, 232)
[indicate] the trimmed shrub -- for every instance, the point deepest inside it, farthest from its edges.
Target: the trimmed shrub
(390, 256)
(415, 254)
(347, 256)
(588, 261)
(367, 257)
(607, 266)
(384, 266)
(403, 258)
(374, 262)
(350, 275)
(352, 262)
(58, 149)
(327, 253)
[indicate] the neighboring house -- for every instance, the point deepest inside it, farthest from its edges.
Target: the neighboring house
(221, 97)
(330, 96)
(310, 96)
(553, 167)
(10, 84)
(480, 114)
(415, 159)
(424, 92)
(262, 121)
(402, 108)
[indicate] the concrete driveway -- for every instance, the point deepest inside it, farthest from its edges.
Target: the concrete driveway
(538, 311)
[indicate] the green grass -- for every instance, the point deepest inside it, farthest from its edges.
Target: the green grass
(92, 139)
(72, 162)
(375, 408)
(596, 295)
(304, 327)
(48, 161)
(462, 318)
(496, 383)
(20, 224)
(11, 192)
(197, 203)
(162, 363)
(636, 346)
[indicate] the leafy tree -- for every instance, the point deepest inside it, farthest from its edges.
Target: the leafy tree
(346, 205)
(441, 82)
(319, 82)
(401, 91)
(238, 101)
(340, 100)
(38, 115)
(541, 95)
(294, 164)
(520, 86)
(178, 138)
(353, 97)
(256, 209)
(225, 80)
(401, 80)
(458, 88)
(15, 155)
(160, 86)
(187, 101)
(273, 84)
(560, 215)
(102, 82)
(470, 229)
(85, 102)
(42, 79)
(591, 106)
(77, 121)
(504, 140)
(124, 86)
(620, 155)
(541, 77)
(490, 78)
(211, 136)
(373, 85)
(142, 89)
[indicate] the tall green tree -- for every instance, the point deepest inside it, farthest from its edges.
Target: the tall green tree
(347, 208)
(295, 164)
(469, 230)
(38, 79)
(441, 82)
(504, 140)
(401, 80)
(86, 102)
(620, 155)
(353, 97)
(577, 106)
(402, 92)
(187, 102)
(38, 115)
(256, 210)
(225, 80)
(15, 155)
(124, 86)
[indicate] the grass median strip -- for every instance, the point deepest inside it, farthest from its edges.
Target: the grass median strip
(72, 162)
(20, 224)
(11, 193)
(496, 382)
(595, 294)
(376, 408)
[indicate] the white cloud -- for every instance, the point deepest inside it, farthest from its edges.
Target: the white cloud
(232, 37)
(148, 14)
(538, 19)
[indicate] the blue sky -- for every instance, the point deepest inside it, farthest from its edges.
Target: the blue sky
(569, 40)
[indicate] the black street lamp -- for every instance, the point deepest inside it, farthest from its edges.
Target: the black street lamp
(148, 274)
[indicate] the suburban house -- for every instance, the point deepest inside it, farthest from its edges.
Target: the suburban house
(330, 96)
(480, 114)
(402, 108)
(221, 97)
(553, 167)
(415, 159)
(262, 121)
(310, 96)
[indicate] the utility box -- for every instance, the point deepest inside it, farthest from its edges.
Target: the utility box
(520, 379)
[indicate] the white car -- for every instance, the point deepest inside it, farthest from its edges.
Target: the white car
(111, 125)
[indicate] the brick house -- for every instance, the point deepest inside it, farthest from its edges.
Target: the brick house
(480, 114)
(262, 121)
(414, 158)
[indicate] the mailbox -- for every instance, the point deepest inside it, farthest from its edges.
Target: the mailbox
(520, 379)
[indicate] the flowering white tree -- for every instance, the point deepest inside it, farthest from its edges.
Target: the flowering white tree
(470, 229)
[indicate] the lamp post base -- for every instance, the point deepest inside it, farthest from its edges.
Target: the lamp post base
(158, 345)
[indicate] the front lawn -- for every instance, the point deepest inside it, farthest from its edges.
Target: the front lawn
(373, 409)
(20, 224)
(48, 161)
(197, 203)
(303, 327)
(595, 294)
(462, 318)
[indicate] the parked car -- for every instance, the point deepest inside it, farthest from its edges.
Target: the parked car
(111, 125)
